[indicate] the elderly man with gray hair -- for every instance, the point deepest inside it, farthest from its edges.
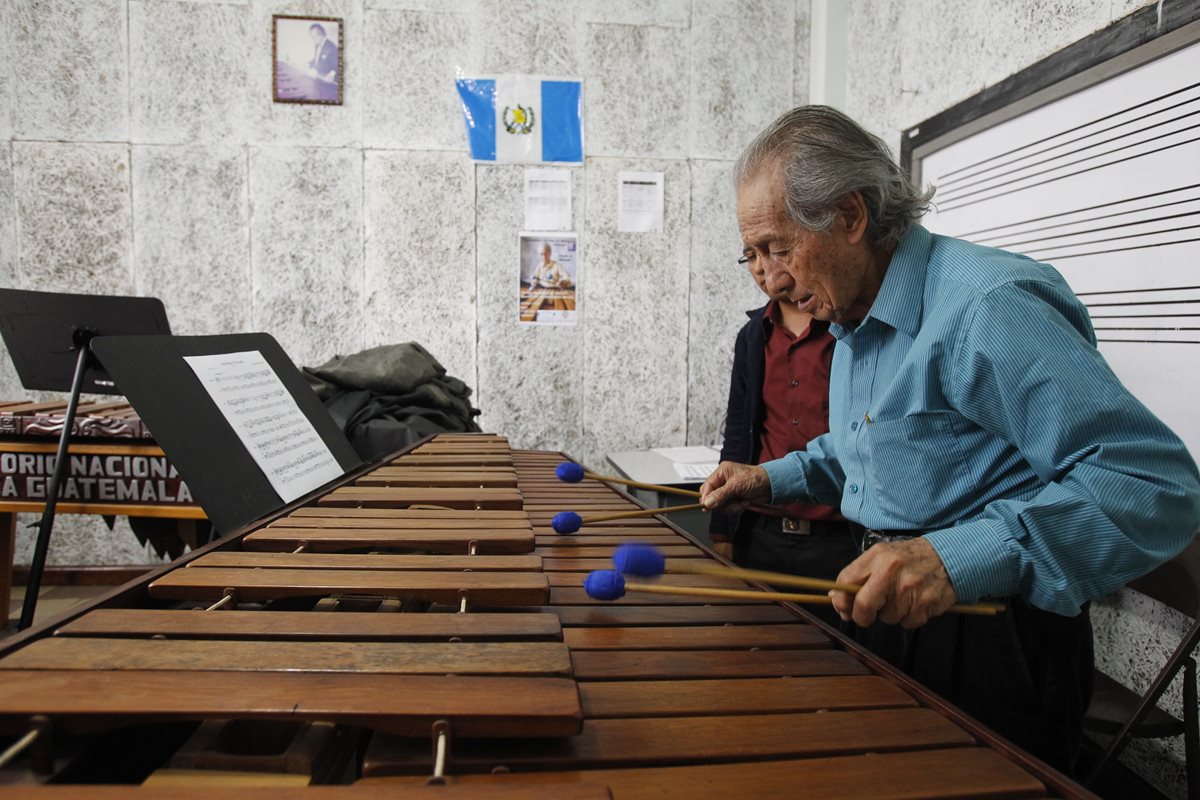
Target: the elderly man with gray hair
(976, 435)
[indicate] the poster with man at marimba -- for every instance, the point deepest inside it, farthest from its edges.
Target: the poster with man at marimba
(549, 278)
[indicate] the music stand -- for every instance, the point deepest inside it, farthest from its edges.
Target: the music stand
(48, 336)
(221, 474)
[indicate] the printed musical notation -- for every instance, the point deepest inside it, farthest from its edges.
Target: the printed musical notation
(264, 415)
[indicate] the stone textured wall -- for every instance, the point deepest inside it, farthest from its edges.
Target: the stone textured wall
(910, 59)
(142, 154)
(914, 58)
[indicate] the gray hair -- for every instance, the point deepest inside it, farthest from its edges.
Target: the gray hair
(825, 156)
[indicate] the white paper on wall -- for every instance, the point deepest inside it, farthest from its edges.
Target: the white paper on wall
(547, 199)
(639, 202)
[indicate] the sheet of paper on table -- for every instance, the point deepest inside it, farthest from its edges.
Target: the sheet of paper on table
(696, 471)
(689, 455)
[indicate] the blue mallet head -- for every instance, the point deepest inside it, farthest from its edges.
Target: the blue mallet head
(604, 584)
(570, 472)
(642, 560)
(566, 522)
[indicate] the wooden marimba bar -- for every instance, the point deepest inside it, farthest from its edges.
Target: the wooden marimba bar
(422, 619)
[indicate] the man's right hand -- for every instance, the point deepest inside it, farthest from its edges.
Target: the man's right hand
(724, 550)
(733, 487)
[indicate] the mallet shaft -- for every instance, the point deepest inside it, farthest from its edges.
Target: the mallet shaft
(746, 594)
(652, 487)
(770, 511)
(645, 512)
(681, 565)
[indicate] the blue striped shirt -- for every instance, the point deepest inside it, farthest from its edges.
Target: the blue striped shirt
(971, 403)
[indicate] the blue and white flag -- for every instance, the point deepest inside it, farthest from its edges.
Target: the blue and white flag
(523, 119)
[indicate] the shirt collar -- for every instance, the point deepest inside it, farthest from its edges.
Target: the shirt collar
(900, 302)
(770, 316)
(771, 320)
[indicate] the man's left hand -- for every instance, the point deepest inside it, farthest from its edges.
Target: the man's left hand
(902, 583)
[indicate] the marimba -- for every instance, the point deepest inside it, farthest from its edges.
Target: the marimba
(422, 622)
(115, 469)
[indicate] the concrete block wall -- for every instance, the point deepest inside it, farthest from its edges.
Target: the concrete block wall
(140, 153)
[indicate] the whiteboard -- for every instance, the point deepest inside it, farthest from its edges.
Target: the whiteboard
(1104, 184)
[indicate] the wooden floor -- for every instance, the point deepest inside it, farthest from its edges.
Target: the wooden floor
(52, 601)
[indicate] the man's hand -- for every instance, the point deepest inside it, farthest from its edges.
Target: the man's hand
(735, 486)
(724, 550)
(902, 583)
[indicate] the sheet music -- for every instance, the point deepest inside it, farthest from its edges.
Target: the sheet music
(264, 415)
(696, 472)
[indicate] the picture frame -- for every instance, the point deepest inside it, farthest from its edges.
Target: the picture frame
(307, 59)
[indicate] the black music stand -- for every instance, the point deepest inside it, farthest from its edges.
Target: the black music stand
(221, 474)
(48, 336)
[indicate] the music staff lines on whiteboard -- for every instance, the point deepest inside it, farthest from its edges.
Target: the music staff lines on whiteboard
(1196, 198)
(1011, 245)
(1139, 303)
(1146, 290)
(950, 203)
(953, 185)
(1108, 250)
(1079, 127)
(1148, 341)
(1139, 316)
(1140, 296)
(1039, 247)
(1127, 314)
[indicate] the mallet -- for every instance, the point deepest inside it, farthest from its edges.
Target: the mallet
(607, 584)
(647, 561)
(570, 472)
(569, 521)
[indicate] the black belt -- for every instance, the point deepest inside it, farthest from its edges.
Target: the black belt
(869, 537)
(802, 527)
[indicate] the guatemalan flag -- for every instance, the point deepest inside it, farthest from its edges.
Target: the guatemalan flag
(524, 119)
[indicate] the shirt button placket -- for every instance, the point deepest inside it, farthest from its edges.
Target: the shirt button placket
(863, 362)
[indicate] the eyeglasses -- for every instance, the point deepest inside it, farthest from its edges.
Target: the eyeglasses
(749, 258)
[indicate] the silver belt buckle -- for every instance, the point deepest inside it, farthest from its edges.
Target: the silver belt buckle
(801, 527)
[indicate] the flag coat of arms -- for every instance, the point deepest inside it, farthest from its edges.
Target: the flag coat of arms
(523, 119)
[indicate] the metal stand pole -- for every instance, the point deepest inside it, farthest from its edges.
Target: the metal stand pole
(82, 339)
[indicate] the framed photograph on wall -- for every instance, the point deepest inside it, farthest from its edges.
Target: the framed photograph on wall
(307, 58)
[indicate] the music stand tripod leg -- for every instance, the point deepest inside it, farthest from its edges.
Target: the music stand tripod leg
(8, 543)
(29, 606)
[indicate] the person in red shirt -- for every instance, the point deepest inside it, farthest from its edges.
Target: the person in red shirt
(778, 401)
